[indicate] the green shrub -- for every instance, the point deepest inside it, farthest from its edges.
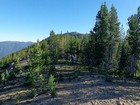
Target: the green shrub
(52, 85)
(7, 75)
(17, 97)
(137, 99)
(12, 75)
(53, 93)
(3, 78)
(29, 80)
(33, 93)
(52, 70)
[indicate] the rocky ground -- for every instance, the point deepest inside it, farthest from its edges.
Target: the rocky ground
(87, 90)
(81, 89)
(84, 90)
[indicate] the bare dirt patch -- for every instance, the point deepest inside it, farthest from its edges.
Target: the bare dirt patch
(86, 90)
(83, 90)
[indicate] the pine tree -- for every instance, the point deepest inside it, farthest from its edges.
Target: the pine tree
(53, 47)
(46, 53)
(3, 79)
(85, 51)
(123, 63)
(7, 75)
(100, 35)
(53, 52)
(18, 67)
(134, 41)
(36, 63)
(52, 85)
(114, 38)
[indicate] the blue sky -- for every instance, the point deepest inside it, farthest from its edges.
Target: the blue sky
(29, 20)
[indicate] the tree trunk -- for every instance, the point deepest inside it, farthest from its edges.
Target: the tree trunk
(133, 65)
(110, 57)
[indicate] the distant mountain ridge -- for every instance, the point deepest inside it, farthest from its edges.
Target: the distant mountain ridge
(9, 47)
(75, 33)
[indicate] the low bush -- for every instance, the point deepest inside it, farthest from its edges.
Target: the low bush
(52, 85)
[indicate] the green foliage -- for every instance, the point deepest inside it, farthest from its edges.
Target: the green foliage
(137, 98)
(45, 53)
(12, 75)
(36, 66)
(17, 97)
(52, 41)
(3, 79)
(18, 67)
(51, 70)
(5, 76)
(30, 80)
(138, 69)
(84, 48)
(123, 64)
(134, 40)
(33, 93)
(114, 40)
(73, 45)
(52, 85)
(99, 40)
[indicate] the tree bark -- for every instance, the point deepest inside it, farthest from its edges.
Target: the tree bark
(133, 65)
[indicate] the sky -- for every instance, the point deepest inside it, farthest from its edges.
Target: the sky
(29, 20)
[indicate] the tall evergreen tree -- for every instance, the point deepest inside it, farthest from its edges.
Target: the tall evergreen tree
(53, 47)
(35, 78)
(134, 40)
(100, 35)
(123, 63)
(85, 50)
(18, 66)
(114, 38)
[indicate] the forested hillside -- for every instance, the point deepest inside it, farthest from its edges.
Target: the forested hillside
(9, 47)
(105, 61)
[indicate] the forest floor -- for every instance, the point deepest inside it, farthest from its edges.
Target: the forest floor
(82, 90)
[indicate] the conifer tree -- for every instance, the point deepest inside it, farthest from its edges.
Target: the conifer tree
(46, 53)
(7, 75)
(52, 85)
(3, 79)
(123, 63)
(35, 78)
(114, 38)
(18, 67)
(85, 50)
(53, 47)
(53, 52)
(100, 35)
(134, 40)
